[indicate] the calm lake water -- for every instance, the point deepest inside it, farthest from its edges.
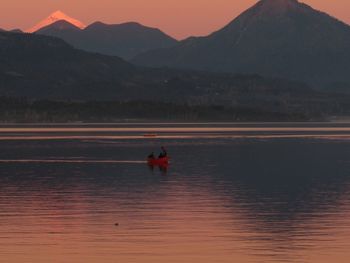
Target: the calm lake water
(232, 193)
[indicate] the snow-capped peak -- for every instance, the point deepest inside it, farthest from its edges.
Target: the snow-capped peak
(54, 17)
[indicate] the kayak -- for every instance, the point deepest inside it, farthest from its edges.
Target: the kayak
(150, 135)
(159, 161)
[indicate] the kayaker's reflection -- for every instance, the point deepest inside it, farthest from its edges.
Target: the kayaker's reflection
(162, 162)
(162, 168)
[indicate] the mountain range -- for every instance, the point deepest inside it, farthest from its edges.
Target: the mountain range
(274, 38)
(37, 66)
(279, 38)
(124, 40)
(46, 68)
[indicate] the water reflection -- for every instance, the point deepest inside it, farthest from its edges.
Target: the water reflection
(291, 196)
(163, 169)
(221, 201)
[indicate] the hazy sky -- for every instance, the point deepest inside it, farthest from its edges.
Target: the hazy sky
(179, 18)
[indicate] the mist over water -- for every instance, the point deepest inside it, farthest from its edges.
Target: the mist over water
(242, 194)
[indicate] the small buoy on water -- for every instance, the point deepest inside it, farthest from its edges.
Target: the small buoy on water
(116, 224)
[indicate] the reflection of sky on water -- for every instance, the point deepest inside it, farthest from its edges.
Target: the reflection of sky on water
(221, 200)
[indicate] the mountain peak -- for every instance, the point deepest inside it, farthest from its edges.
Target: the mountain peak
(279, 3)
(277, 6)
(58, 13)
(54, 17)
(59, 25)
(280, 38)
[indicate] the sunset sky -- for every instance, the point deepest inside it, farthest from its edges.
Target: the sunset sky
(179, 18)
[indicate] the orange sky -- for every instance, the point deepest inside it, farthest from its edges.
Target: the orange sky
(179, 18)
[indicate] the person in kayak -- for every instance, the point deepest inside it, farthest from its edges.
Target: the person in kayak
(151, 156)
(163, 153)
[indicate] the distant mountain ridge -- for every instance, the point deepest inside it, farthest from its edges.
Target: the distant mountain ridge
(47, 67)
(279, 38)
(16, 30)
(41, 67)
(125, 40)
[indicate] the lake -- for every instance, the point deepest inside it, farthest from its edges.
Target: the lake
(254, 192)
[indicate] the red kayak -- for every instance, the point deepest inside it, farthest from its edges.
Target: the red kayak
(158, 162)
